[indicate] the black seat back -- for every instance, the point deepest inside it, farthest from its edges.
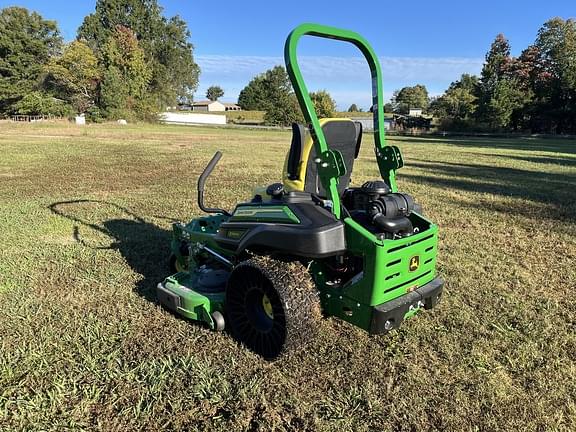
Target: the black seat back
(344, 136)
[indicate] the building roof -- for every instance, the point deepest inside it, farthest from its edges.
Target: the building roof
(205, 103)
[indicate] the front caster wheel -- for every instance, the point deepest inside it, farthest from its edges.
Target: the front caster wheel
(219, 322)
(176, 265)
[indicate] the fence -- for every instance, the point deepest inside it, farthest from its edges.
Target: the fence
(32, 119)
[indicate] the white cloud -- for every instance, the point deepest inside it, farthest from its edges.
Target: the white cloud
(347, 78)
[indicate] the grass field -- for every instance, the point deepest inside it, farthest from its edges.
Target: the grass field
(83, 345)
(257, 117)
(250, 117)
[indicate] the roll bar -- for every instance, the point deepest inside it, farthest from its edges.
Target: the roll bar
(328, 176)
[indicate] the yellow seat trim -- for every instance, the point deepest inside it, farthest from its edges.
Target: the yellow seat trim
(298, 184)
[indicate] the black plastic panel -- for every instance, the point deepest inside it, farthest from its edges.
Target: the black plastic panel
(318, 235)
(394, 310)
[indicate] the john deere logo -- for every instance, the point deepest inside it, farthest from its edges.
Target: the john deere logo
(414, 263)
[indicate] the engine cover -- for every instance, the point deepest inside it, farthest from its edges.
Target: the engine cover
(380, 210)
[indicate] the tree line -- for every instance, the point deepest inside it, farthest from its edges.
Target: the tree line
(534, 92)
(272, 92)
(130, 61)
(127, 61)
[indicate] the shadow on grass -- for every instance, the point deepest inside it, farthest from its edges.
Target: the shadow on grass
(555, 145)
(144, 246)
(563, 161)
(556, 191)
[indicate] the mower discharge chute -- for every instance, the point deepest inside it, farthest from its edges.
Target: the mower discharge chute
(312, 244)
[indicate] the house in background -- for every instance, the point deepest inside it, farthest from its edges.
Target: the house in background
(208, 106)
(368, 122)
(232, 107)
(212, 106)
(415, 112)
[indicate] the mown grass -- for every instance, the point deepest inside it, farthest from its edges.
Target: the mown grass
(249, 117)
(83, 345)
(257, 117)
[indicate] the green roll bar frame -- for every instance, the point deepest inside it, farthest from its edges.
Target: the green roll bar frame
(330, 164)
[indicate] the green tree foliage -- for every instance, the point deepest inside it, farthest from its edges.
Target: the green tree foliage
(27, 41)
(554, 77)
(497, 62)
(253, 96)
(353, 108)
(74, 76)
(457, 106)
(285, 112)
(125, 82)
(323, 103)
(410, 97)
(507, 99)
(535, 91)
(389, 107)
(114, 94)
(41, 103)
(164, 41)
(498, 94)
(214, 92)
(272, 92)
(256, 96)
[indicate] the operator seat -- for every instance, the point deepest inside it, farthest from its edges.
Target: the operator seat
(300, 170)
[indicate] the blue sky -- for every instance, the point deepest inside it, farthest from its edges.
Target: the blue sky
(427, 42)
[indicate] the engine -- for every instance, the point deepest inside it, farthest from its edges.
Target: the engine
(381, 211)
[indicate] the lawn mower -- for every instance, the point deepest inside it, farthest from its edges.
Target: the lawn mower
(312, 245)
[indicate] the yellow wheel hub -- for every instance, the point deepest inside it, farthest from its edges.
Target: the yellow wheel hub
(180, 267)
(267, 306)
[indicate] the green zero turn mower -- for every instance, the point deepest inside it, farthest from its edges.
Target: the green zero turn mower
(312, 244)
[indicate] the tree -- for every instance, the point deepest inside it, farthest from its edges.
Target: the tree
(323, 103)
(27, 42)
(74, 76)
(353, 108)
(265, 89)
(494, 71)
(507, 98)
(459, 102)
(496, 65)
(410, 97)
(554, 76)
(125, 82)
(284, 112)
(164, 41)
(114, 94)
(41, 103)
(253, 96)
(389, 107)
(214, 92)
(272, 92)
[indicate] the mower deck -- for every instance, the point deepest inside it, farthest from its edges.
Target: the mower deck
(196, 295)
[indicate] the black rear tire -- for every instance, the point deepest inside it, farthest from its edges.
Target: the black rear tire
(272, 306)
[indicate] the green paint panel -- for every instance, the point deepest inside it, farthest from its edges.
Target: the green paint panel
(278, 214)
(387, 273)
